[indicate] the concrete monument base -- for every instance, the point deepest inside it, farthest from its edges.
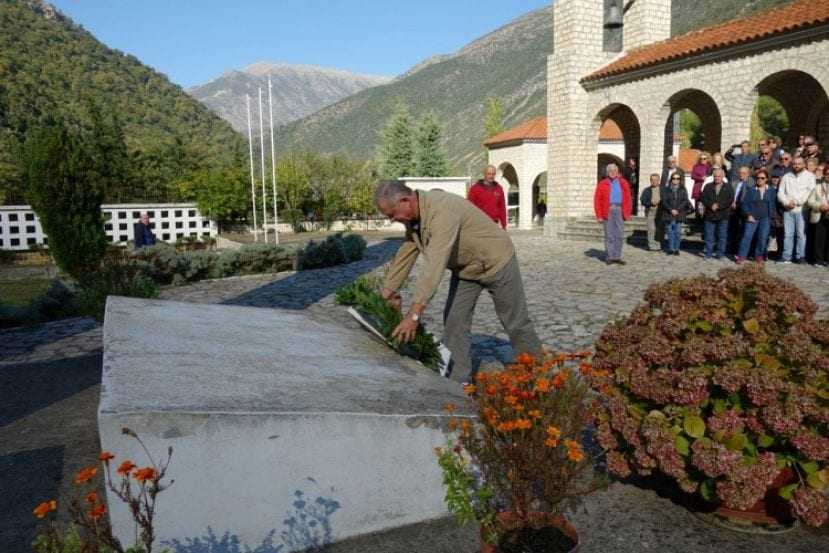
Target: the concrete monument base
(288, 431)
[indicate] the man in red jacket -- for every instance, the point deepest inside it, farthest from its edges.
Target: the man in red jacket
(488, 195)
(612, 206)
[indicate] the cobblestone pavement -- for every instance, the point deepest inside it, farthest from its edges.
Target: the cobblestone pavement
(50, 375)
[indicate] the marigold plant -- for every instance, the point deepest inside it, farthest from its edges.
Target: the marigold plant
(524, 452)
(720, 383)
(90, 530)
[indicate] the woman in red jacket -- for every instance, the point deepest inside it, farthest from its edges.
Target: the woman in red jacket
(612, 205)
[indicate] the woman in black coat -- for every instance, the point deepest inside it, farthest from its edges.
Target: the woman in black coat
(675, 205)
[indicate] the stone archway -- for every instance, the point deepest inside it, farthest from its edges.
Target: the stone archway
(705, 107)
(539, 195)
(804, 100)
(628, 123)
(509, 177)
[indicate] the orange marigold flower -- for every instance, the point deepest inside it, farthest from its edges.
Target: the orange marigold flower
(553, 431)
(106, 456)
(551, 442)
(126, 467)
(85, 475)
(466, 426)
(453, 424)
(492, 389)
(481, 377)
(470, 389)
(542, 385)
(97, 512)
(507, 426)
(45, 508)
(523, 424)
(535, 413)
(92, 497)
(511, 399)
(518, 407)
(575, 455)
(147, 473)
(585, 368)
(450, 407)
(503, 378)
(601, 373)
(526, 359)
(560, 379)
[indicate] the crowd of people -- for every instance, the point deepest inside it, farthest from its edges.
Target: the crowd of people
(740, 200)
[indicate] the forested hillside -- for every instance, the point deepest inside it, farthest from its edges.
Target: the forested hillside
(51, 67)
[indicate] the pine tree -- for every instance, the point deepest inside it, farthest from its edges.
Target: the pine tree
(397, 145)
(494, 121)
(430, 159)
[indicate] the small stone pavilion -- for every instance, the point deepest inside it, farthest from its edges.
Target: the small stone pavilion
(641, 78)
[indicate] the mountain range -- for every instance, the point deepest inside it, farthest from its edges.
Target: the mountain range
(510, 62)
(298, 91)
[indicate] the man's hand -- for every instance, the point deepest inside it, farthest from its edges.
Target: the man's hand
(751, 219)
(715, 206)
(392, 298)
(674, 212)
(406, 330)
(791, 204)
(824, 207)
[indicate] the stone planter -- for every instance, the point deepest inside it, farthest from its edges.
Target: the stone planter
(769, 514)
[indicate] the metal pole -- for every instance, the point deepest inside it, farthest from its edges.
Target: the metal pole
(252, 185)
(264, 178)
(273, 164)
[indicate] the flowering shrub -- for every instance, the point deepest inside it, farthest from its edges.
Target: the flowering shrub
(524, 453)
(720, 383)
(90, 531)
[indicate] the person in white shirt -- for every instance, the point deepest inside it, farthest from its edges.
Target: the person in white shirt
(794, 190)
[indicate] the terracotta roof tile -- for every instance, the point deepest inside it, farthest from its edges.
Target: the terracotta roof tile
(536, 129)
(798, 15)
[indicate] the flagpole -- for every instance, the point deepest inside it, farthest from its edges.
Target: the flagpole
(264, 178)
(252, 185)
(273, 164)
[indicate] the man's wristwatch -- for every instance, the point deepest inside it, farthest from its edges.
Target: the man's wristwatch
(415, 317)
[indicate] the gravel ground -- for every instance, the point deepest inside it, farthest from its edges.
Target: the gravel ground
(50, 375)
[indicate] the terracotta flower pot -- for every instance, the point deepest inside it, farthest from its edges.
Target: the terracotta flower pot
(509, 519)
(771, 510)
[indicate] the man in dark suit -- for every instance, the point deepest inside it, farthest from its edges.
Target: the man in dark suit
(669, 169)
(142, 233)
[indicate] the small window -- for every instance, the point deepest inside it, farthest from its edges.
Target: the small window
(1, 230)
(107, 216)
(123, 238)
(122, 226)
(164, 214)
(179, 234)
(108, 226)
(113, 239)
(152, 225)
(30, 229)
(1, 242)
(205, 235)
(15, 241)
(1, 216)
(136, 214)
(194, 235)
(165, 236)
(205, 224)
(45, 240)
(14, 230)
(191, 213)
(179, 224)
(31, 241)
(122, 214)
(12, 216)
(165, 224)
(192, 224)
(178, 213)
(151, 214)
(30, 216)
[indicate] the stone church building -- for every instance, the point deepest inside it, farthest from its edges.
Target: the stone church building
(643, 78)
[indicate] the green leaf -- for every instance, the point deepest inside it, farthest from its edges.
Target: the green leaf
(736, 442)
(682, 445)
(809, 467)
(720, 406)
(751, 326)
(694, 426)
(786, 492)
(817, 480)
(706, 489)
(764, 440)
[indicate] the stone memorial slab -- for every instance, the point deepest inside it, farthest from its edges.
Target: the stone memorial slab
(288, 430)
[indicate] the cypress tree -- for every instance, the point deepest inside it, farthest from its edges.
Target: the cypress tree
(397, 145)
(494, 121)
(430, 159)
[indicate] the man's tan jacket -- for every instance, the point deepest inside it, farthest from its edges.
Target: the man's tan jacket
(454, 235)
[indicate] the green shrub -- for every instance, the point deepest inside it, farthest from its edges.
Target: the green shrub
(117, 276)
(164, 262)
(57, 302)
(264, 258)
(363, 296)
(334, 250)
(197, 265)
(226, 264)
(6, 257)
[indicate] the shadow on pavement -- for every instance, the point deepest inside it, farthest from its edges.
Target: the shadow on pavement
(29, 387)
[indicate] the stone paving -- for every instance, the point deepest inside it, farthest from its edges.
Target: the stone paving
(51, 373)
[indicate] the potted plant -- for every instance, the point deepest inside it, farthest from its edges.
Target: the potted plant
(723, 385)
(520, 464)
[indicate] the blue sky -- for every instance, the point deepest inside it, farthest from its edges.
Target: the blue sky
(194, 41)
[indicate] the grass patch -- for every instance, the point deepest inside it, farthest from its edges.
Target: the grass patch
(20, 293)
